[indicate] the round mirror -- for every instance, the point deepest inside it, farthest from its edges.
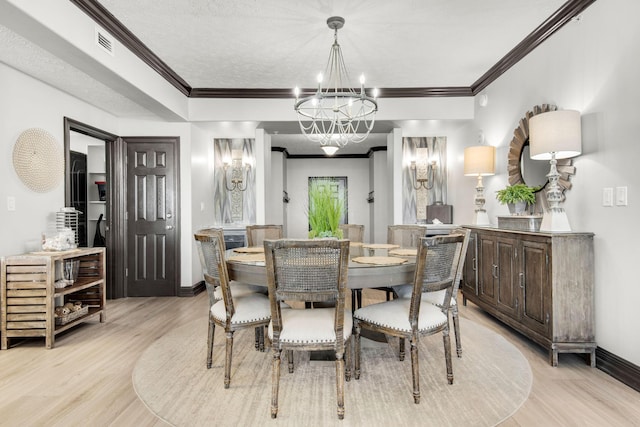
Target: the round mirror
(533, 172)
(522, 169)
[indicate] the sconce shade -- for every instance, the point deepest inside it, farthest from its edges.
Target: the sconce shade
(555, 132)
(480, 160)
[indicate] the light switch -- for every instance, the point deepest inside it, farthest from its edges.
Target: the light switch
(621, 196)
(11, 203)
(607, 196)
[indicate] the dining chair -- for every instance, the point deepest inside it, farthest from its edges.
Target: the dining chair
(406, 236)
(436, 270)
(405, 291)
(309, 270)
(256, 234)
(238, 308)
(354, 233)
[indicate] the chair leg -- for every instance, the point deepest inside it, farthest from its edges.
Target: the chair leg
(356, 357)
(227, 362)
(257, 343)
(260, 330)
(290, 360)
(447, 355)
(415, 369)
(456, 329)
(212, 329)
(275, 382)
(348, 358)
(401, 346)
(340, 384)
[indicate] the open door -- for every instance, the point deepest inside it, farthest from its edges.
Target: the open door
(153, 260)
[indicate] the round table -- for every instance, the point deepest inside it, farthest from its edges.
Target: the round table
(359, 276)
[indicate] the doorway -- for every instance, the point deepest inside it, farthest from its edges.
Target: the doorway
(118, 234)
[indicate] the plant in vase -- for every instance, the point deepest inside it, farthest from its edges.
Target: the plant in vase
(325, 211)
(517, 198)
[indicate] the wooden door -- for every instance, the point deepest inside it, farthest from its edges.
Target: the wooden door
(534, 267)
(508, 289)
(469, 275)
(153, 258)
(487, 268)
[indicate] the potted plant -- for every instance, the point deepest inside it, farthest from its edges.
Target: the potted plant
(325, 211)
(517, 198)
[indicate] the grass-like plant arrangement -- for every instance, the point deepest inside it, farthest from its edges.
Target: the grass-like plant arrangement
(325, 211)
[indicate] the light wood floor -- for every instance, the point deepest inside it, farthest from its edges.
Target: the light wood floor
(86, 378)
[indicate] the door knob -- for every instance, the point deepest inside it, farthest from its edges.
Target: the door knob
(169, 227)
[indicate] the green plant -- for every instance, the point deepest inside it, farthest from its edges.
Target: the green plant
(516, 193)
(325, 211)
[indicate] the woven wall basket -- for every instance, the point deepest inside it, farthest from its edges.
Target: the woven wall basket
(38, 160)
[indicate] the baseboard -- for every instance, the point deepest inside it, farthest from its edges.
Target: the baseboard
(193, 290)
(620, 369)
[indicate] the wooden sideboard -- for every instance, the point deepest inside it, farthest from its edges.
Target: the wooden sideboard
(541, 284)
(29, 297)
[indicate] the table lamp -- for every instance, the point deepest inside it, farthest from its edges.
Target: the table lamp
(480, 161)
(555, 135)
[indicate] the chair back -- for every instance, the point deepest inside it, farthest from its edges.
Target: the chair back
(211, 249)
(436, 269)
(307, 270)
(257, 234)
(407, 236)
(352, 232)
(463, 256)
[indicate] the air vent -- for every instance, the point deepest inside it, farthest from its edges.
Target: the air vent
(104, 40)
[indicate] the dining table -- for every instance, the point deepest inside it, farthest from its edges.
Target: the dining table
(370, 265)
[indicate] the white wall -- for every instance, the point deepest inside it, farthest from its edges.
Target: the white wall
(28, 103)
(298, 173)
(591, 66)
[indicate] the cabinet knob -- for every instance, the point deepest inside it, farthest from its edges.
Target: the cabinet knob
(169, 215)
(521, 280)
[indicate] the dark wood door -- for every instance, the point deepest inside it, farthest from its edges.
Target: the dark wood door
(153, 259)
(536, 286)
(487, 268)
(470, 276)
(508, 289)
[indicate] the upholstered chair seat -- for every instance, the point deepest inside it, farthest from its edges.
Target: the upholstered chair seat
(311, 326)
(249, 308)
(394, 315)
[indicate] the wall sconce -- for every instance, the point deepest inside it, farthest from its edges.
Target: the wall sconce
(480, 161)
(239, 173)
(555, 135)
(423, 170)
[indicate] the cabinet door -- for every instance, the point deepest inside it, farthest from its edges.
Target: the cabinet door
(470, 273)
(487, 268)
(534, 278)
(506, 276)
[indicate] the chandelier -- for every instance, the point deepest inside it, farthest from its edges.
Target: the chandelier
(337, 114)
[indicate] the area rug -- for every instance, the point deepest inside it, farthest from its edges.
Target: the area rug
(492, 380)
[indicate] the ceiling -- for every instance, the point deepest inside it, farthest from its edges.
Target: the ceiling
(406, 48)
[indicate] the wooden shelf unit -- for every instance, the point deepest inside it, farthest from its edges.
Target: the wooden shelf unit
(28, 294)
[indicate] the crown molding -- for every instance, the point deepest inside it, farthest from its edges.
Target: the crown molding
(568, 11)
(110, 23)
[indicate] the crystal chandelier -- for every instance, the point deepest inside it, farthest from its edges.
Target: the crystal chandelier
(336, 115)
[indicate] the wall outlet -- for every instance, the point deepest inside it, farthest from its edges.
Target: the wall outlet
(607, 196)
(11, 203)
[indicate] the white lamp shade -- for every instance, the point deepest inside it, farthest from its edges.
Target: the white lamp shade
(480, 160)
(556, 132)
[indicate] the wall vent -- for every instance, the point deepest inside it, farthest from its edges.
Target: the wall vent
(104, 40)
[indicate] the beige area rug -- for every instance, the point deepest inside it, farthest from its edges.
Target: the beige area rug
(492, 380)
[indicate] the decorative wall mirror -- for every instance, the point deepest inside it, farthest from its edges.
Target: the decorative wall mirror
(522, 169)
